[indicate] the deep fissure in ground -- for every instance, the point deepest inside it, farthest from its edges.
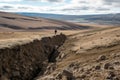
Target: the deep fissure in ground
(25, 62)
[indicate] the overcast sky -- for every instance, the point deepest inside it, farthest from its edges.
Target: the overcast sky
(76, 7)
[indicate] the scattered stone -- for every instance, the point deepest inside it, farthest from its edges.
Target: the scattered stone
(83, 76)
(82, 70)
(87, 72)
(116, 78)
(111, 76)
(117, 63)
(111, 67)
(71, 65)
(59, 76)
(102, 57)
(97, 67)
(116, 55)
(66, 75)
(107, 65)
(62, 55)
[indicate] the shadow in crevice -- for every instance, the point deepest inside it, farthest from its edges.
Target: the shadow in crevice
(52, 57)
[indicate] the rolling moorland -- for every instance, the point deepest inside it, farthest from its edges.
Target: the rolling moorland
(107, 19)
(29, 49)
(9, 21)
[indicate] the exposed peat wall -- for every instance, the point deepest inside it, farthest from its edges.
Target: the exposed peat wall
(25, 62)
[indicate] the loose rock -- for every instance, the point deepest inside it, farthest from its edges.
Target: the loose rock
(102, 57)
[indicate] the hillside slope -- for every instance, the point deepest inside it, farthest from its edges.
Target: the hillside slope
(10, 21)
(89, 55)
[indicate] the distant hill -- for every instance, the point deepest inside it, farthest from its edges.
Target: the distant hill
(113, 19)
(12, 21)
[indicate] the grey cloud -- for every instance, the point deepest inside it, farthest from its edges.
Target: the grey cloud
(76, 8)
(6, 7)
(84, 8)
(32, 0)
(83, 2)
(110, 2)
(102, 9)
(23, 8)
(54, 0)
(46, 0)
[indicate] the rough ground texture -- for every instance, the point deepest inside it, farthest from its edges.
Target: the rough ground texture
(25, 62)
(90, 55)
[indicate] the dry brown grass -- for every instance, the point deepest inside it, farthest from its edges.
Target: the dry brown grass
(87, 46)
